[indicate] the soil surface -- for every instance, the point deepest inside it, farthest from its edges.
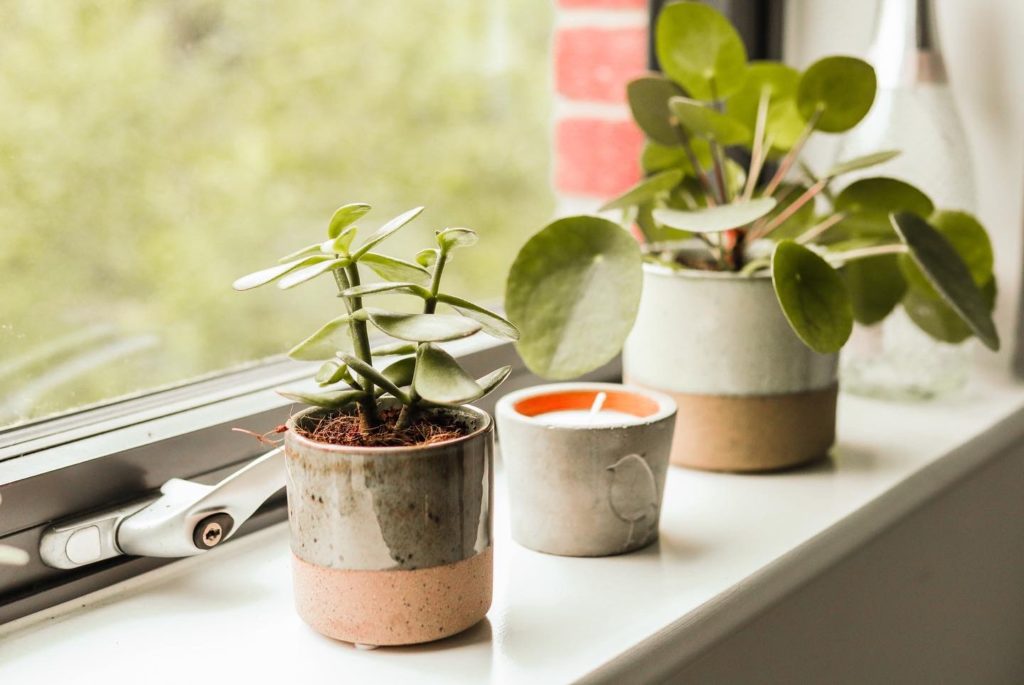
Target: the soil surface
(343, 429)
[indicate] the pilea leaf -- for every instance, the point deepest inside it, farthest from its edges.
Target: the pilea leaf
(700, 50)
(648, 98)
(836, 93)
(646, 190)
(715, 219)
(867, 204)
(876, 286)
(576, 276)
(968, 238)
(862, 162)
(655, 157)
(813, 297)
(439, 378)
(702, 120)
(783, 124)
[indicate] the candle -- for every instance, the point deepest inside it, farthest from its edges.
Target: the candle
(595, 417)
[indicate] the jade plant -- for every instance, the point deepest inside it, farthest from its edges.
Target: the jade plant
(421, 374)
(725, 189)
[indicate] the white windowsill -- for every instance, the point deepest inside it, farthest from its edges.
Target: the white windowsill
(729, 546)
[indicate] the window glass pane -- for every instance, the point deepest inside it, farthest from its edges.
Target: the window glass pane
(152, 151)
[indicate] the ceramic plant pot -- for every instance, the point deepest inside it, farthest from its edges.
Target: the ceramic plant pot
(585, 491)
(392, 545)
(751, 395)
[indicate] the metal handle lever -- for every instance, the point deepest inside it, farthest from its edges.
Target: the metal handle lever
(186, 519)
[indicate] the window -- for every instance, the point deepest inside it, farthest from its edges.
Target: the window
(153, 151)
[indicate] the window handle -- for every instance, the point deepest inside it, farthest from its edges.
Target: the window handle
(185, 519)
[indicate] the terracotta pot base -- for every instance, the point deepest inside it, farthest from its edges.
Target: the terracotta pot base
(394, 607)
(753, 433)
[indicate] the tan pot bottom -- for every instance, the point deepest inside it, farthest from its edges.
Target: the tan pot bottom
(394, 607)
(753, 433)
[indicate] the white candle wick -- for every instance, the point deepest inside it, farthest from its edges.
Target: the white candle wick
(595, 408)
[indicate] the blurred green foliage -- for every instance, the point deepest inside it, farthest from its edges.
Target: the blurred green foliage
(152, 151)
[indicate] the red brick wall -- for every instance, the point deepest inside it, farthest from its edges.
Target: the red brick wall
(599, 46)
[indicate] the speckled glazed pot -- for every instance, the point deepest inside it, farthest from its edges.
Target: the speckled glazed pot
(751, 395)
(585, 491)
(391, 546)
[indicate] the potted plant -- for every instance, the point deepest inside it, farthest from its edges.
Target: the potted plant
(749, 292)
(389, 473)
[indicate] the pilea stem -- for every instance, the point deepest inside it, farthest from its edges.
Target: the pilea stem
(684, 140)
(819, 228)
(841, 258)
(791, 156)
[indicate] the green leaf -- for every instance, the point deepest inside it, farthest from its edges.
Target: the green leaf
(704, 121)
(439, 378)
(838, 91)
(374, 376)
(800, 221)
(936, 318)
(385, 231)
(715, 219)
(427, 257)
(340, 244)
(657, 158)
(306, 251)
(783, 123)
(573, 291)
(329, 339)
(311, 272)
(401, 372)
(648, 99)
(423, 327)
(700, 50)
(863, 162)
(968, 238)
(345, 215)
(867, 204)
(947, 273)
(876, 286)
(393, 349)
(491, 381)
(330, 372)
(451, 238)
(646, 190)
(330, 399)
(386, 289)
(491, 323)
(392, 269)
(264, 276)
(812, 296)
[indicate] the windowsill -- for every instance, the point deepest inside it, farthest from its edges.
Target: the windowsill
(730, 546)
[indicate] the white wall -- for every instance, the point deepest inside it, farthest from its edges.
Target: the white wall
(983, 42)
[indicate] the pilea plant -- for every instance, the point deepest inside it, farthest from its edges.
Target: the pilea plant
(424, 374)
(877, 243)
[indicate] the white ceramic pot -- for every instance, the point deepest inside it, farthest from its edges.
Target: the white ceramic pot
(391, 545)
(751, 395)
(579, 490)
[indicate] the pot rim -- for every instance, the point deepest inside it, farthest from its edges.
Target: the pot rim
(506, 405)
(486, 426)
(700, 274)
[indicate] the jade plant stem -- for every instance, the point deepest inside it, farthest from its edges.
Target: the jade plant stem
(429, 307)
(369, 417)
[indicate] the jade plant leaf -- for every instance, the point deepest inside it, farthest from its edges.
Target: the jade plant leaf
(968, 238)
(345, 215)
(947, 273)
(836, 93)
(783, 123)
(375, 376)
(700, 50)
(427, 257)
(341, 243)
(401, 372)
(393, 349)
(495, 378)
(876, 285)
(439, 378)
(386, 230)
(451, 238)
(264, 276)
(386, 288)
(325, 342)
(862, 162)
(423, 327)
(330, 399)
(715, 219)
(392, 269)
(702, 120)
(306, 251)
(655, 157)
(813, 297)
(573, 291)
(330, 372)
(490, 322)
(868, 202)
(646, 190)
(648, 98)
(310, 272)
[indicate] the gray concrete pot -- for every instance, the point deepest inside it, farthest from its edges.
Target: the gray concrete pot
(585, 491)
(751, 395)
(391, 545)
